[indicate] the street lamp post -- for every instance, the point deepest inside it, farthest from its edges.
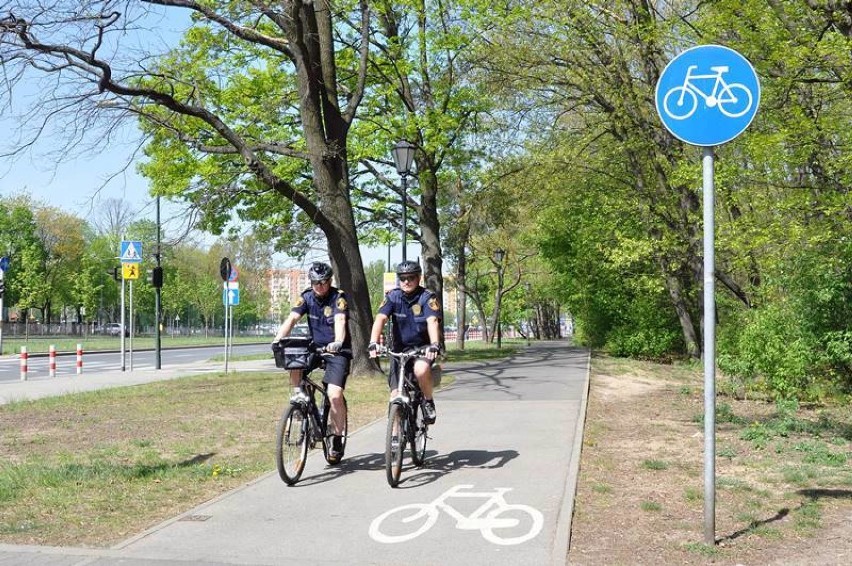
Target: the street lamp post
(157, 300)
(529, 318)
(499, 254)
(403, 156)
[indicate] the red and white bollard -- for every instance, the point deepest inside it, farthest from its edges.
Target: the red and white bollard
(23, 363)
(79, 359)
(51, 356)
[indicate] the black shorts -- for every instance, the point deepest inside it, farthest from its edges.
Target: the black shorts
(337, 370)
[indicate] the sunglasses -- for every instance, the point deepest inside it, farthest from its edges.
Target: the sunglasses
(408, 278)
(323, 282)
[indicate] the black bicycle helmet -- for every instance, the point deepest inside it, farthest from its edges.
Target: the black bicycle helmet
(320, 271)
(407, 267)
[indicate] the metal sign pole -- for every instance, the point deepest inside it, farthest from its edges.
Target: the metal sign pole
(130, 324)
(227, 330)
(2, 318)
(123, 368)
(231, 339)
(709, 350)
(225, 272)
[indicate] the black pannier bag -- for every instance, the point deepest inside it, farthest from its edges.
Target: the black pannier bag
(293, 352)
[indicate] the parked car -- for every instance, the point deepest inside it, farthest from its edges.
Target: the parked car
(301, 330)
(114, 329)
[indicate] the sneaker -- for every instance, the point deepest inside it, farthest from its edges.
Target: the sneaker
(429, 412)
(336, 452)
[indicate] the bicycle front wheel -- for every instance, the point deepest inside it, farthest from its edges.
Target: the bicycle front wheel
(328, 427)
(394, 444)
(292, 447)
(419, 430)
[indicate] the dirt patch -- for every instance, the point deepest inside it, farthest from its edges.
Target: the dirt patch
(783, 476)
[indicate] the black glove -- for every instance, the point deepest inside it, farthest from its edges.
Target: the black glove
(434, 348)
(372, 347)
(276, 346)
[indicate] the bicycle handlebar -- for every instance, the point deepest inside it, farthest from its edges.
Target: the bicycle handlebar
(320, 350)
(413, 353)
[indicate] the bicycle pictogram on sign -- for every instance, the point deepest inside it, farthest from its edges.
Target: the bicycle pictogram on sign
(498, 521)
(732, 100)
(707, 95)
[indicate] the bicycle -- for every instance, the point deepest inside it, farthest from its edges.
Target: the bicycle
(680, 102)
(406, 417)
(304, 424)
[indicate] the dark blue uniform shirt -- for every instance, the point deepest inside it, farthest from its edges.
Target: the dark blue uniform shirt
(321, 312)
(409, 314)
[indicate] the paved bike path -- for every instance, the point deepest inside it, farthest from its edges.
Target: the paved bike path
(498, 483)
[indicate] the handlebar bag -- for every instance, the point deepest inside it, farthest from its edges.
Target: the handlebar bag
(294, 353)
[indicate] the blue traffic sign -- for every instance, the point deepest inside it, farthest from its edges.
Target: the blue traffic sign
(131, 252)
(707, 95)
(230, 297)
(4, 263)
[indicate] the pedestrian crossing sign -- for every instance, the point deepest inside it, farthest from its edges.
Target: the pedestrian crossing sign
(130, 270)
(131, 252)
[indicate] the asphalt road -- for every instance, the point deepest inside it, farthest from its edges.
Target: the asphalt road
(99, 362)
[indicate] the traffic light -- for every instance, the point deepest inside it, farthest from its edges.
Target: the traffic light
(155, 277)
(116, 273)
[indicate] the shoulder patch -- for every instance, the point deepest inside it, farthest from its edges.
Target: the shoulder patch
(434, 304)
(299, 302)
(341, 303)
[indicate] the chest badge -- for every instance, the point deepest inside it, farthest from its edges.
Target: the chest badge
(416, 309)
(326, 311)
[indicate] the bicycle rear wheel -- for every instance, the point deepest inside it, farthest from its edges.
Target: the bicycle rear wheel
(419, 435)
(329, 430)
(293, 436)
(394, 449)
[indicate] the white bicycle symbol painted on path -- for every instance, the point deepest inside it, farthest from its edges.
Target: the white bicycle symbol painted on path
(733, 100)
(494, 518)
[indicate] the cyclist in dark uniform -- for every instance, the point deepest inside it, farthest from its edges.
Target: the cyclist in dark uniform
(328, 320)
(416, 314)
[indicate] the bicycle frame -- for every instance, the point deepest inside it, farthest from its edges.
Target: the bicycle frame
(309, 423)
(406, 382)
(718, 86)
(404, 426)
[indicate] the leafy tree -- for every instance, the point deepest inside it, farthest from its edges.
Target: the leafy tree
(419, 93)
(63, 239)
(220, 137)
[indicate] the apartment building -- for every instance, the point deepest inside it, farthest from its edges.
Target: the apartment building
(284, 287)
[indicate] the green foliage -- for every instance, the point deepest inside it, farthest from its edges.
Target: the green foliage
(798, 343)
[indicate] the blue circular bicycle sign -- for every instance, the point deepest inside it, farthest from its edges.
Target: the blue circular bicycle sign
(707, 95)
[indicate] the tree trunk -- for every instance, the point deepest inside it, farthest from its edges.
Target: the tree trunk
(681, 306)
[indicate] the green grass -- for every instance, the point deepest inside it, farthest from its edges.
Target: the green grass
(478, 350)
(655, 465)
(93, 468)
(650, 506)
(693, 494)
